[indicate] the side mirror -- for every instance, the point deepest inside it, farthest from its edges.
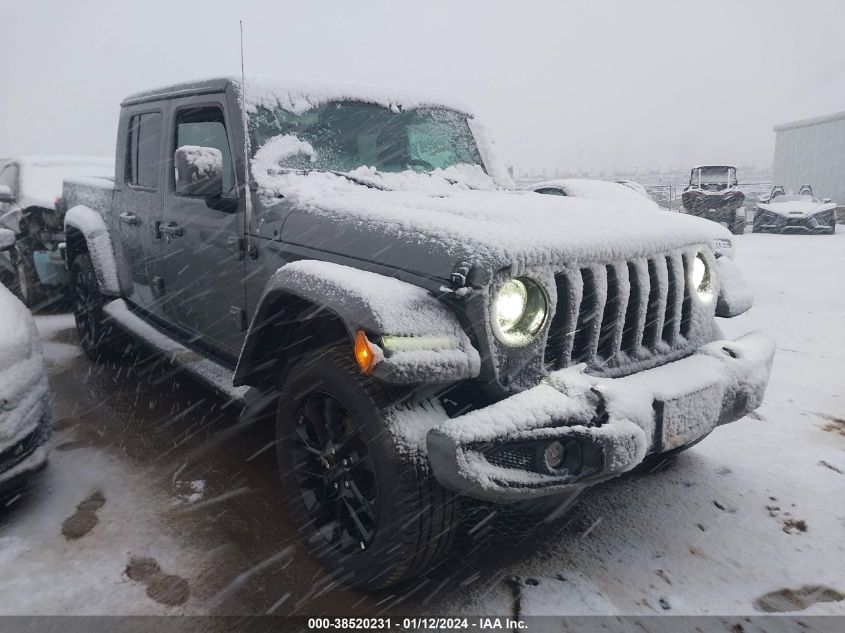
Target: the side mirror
(6, 194)
(7, 239)
(199, 171)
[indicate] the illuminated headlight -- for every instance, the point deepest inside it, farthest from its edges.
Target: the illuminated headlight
(519, 311)
(702, 277)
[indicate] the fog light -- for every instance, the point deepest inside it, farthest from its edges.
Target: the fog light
(553, 455)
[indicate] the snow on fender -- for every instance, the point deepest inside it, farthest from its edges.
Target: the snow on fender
(735, 296)
(93, 227)
(418, 338)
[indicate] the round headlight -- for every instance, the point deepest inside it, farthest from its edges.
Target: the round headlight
(519, 311)
(702, 277)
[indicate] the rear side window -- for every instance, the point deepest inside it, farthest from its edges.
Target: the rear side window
(142, 150)
(9, 177)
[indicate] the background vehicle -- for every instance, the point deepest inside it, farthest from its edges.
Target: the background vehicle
(713, 193)
(616, 192)
(25, 420)
(786, 212)
(425, 332)
(29, 205)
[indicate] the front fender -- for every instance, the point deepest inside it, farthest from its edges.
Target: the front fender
(92, 226)
(420, 339)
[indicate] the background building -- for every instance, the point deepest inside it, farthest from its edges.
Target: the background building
(813, 151)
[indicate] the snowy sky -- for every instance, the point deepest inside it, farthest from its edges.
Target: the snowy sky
(598, 85)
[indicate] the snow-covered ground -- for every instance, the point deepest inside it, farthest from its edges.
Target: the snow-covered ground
(145, 471)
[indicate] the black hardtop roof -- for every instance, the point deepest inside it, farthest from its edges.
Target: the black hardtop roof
(199, 86)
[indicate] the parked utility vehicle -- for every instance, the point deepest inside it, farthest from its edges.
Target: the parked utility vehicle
(713, 193)
(428, 333)
(786, 212)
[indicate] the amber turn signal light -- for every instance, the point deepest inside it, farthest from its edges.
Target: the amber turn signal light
(364, 353)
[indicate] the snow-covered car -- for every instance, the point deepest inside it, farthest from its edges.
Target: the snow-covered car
(425, 331)
(25, 419)
(30, 205)
(636, 187)
(786, 212)
(713, 193)
(618, 193)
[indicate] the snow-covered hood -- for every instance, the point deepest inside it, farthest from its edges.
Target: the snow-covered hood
(428, 230)
(797, 208)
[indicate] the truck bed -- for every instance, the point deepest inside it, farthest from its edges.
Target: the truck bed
(95, 193)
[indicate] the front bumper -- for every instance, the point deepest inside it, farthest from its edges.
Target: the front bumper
(606, 425)
(27, 450)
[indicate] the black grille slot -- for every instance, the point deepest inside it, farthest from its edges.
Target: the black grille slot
(671, 305)
(686, 308)
(609, 318)
(586, 315)
(651, 316)
(632, 326)
(555, 355)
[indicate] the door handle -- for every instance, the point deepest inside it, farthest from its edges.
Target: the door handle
(171, 228)
(128, 218)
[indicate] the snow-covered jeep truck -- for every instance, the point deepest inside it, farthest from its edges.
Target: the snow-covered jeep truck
(427, 332)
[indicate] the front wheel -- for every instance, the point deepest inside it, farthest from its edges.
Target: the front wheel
(371, 516)
(100, 339)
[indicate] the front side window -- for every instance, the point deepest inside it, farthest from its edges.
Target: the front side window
(143, 150)
(203, 158)
(342, 136)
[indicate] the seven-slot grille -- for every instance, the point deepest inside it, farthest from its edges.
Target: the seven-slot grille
(607, 314)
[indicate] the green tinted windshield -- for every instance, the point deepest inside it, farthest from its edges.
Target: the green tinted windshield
(342, 136)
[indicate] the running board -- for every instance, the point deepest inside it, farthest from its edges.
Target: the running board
(210, 372)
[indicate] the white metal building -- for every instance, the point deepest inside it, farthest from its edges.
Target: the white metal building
(812, 151)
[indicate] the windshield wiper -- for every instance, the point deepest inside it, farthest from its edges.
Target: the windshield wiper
(359, 181)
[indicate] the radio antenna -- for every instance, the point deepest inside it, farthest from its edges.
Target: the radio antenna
(247, 190)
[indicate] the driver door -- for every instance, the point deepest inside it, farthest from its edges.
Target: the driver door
(202, 233)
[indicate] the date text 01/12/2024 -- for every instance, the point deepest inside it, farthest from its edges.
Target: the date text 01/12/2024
(417, 623)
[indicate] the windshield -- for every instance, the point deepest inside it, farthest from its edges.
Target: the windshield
(343, 136)
(713, 175)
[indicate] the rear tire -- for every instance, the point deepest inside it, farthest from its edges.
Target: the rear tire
(370, 516)
(100, 339)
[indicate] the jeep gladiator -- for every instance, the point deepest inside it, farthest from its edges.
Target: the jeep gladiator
(427, 333)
